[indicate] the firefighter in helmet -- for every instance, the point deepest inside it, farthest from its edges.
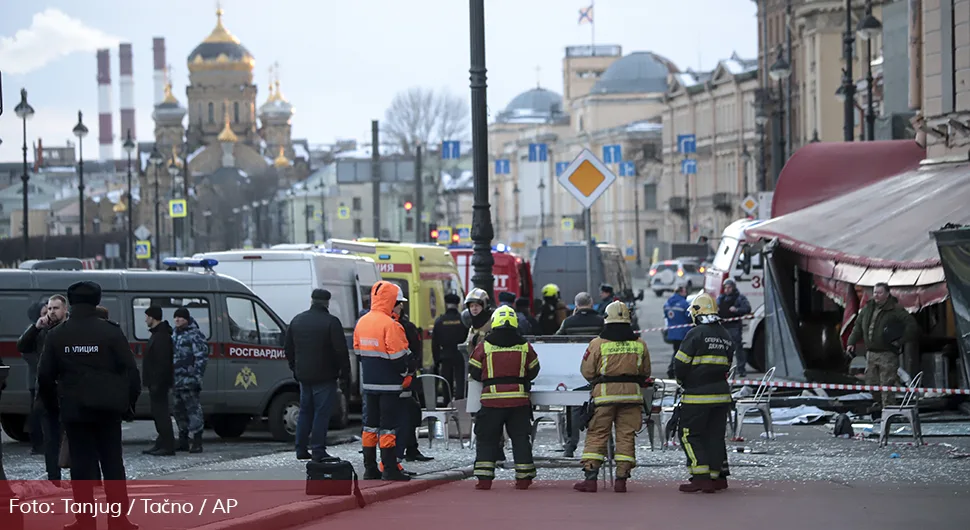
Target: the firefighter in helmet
(505, 363)
(617, 365)
(701, 367)
(477, 316)
(552, 312)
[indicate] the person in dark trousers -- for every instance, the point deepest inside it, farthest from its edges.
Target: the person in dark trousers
(35, 339)
(410, 418)
(35, 419)
(158, 376)
(731, 305)
(677, 321)
(316, 351)
(448, 333)
(523, 307)
(701, 367)
(507, 299)
(190, 355)
(88, 375)
(506, 364)
(607, 297)
(585, 321)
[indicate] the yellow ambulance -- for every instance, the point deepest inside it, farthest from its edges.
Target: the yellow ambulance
(426, 273)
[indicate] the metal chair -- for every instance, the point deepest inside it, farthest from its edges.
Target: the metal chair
(667, 413)
(549, 414)
(908, 410)
(432, 413)
(649, 424)
(760, 403)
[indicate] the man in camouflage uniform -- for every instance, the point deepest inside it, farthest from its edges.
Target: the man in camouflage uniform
(190, 356)
(882, 357)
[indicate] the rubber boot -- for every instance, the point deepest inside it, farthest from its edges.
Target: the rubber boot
(720, 484)
(196, 446)
(391, 469)
(619, 485)
(183, 443)
(523, 483)
(371, 471)
(698, 484)
(484, 484)
(589, 484)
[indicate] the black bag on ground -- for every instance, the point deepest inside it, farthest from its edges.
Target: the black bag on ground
(334, 477)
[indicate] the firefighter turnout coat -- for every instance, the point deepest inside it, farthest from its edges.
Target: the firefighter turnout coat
(506, 364)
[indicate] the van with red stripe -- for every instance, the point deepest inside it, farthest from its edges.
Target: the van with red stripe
(247, 376)
(425, 272)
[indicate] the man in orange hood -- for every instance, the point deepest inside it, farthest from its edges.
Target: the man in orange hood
(381, 344)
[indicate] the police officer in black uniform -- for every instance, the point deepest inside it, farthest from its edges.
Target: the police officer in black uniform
(88, 375)
(448, 333)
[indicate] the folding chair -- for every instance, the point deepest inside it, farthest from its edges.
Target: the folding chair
(760, 403)
(432, 413)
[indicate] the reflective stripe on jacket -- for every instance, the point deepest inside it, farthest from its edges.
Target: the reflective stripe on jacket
(505, 372)
(702, 365)
(605, 360)
(381, 343)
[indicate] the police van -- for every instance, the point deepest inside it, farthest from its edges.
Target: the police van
(246, 378)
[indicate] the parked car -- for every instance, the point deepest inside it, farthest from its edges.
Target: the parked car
(666, 275)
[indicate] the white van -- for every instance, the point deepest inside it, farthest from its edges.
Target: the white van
(284, 279)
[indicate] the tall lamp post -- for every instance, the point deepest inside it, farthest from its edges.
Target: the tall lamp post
(173, 171)
(760, 120)
(868, 29)
(498, 222)
(129, 146)
(482, 231)
(542, 211)
(779, 72)
(24, 111)
(156, 161)
(846, 92)
(80, 130)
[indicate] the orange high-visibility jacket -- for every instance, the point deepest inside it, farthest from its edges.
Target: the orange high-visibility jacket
(381, 344)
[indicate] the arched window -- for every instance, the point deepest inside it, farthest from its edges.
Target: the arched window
(235, 111)
(212, 113)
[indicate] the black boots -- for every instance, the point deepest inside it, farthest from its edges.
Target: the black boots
(698, 484)
(391, 469)
(196, 446)
(414, 455)
(183, 445)
(371, 469)
(589, 484)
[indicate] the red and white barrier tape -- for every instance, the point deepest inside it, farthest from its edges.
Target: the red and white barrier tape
(860, 388)
(654, 330)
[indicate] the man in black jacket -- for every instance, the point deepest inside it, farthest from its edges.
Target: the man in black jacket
(407, 435)
(585, 321)
(88, 375)
(158, 376)
(31, 356)
(34, 339)
(316, 350)
(450, 332)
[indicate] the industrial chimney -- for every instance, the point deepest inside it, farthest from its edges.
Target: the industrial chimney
(127, 91)
(105, 135)
(158, 47)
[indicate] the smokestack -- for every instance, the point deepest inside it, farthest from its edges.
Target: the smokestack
(105, 135)
(158, 47)
(127, 91)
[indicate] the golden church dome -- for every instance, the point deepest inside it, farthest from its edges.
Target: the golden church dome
(227, 136)
(276, 105)
(221, 50)
(281, 160)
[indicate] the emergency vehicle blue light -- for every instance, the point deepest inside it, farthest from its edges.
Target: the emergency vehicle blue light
(206, 263)
(500, 248)
(384, 256)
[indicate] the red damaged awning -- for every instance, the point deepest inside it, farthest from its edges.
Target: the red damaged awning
(820, 171)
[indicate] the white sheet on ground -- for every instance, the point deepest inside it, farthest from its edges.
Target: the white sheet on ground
(800, 415)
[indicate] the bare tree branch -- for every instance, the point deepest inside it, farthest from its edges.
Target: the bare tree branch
(424, 116)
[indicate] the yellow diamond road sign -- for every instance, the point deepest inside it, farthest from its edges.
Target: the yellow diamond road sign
(749, 204)
(586, 178)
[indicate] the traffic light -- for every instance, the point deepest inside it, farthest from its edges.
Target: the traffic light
(455, 238)
(433, 232)
(407, 206)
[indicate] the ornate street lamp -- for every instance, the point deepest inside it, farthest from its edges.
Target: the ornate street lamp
(847, 90)
(24, 111)
(156, 160)
(542, 211)
(482, 230)
(80, 130)
(868, 29)
(129, 146)
(779, 72)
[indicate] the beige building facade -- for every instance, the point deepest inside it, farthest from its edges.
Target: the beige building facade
(718, 108)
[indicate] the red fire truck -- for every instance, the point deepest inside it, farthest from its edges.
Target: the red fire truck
(512, 272)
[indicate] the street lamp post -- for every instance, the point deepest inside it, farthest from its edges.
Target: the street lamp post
(80, 130)
(482, 231)
(868, 29)
(156, 161)
(207, 215)
(129, 146)
(761, 120)
(24, 111)
(542, 211)
(515, 192)
(779, 72)
(173, 171)
(498, 222)
(746, 158)
(847, 90)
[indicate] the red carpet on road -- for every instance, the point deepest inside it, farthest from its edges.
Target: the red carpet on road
(553, 505)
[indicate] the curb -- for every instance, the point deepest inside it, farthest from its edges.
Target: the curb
(304, 512)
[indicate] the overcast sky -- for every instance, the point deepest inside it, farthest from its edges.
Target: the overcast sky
(340, 62)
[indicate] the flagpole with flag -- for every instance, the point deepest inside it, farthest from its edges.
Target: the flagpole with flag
(586, 17)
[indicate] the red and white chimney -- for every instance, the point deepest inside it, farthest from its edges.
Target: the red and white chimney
(127, 91)
(158, 48)
(105, 134)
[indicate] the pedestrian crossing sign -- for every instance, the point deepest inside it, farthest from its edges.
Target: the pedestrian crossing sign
(143, 249)
(343, 212)
(177, 208)
(567, 224)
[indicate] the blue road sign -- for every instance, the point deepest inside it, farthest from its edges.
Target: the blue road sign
(628, 169)
(561, 167)
(143, 249)
(538, 153)
(503, 167)
(612, 154)
(450, 149)
(686, 143)
(688, 166)
(464, 232)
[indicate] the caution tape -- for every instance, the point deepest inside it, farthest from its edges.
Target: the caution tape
(654, 330)
(859, 388)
